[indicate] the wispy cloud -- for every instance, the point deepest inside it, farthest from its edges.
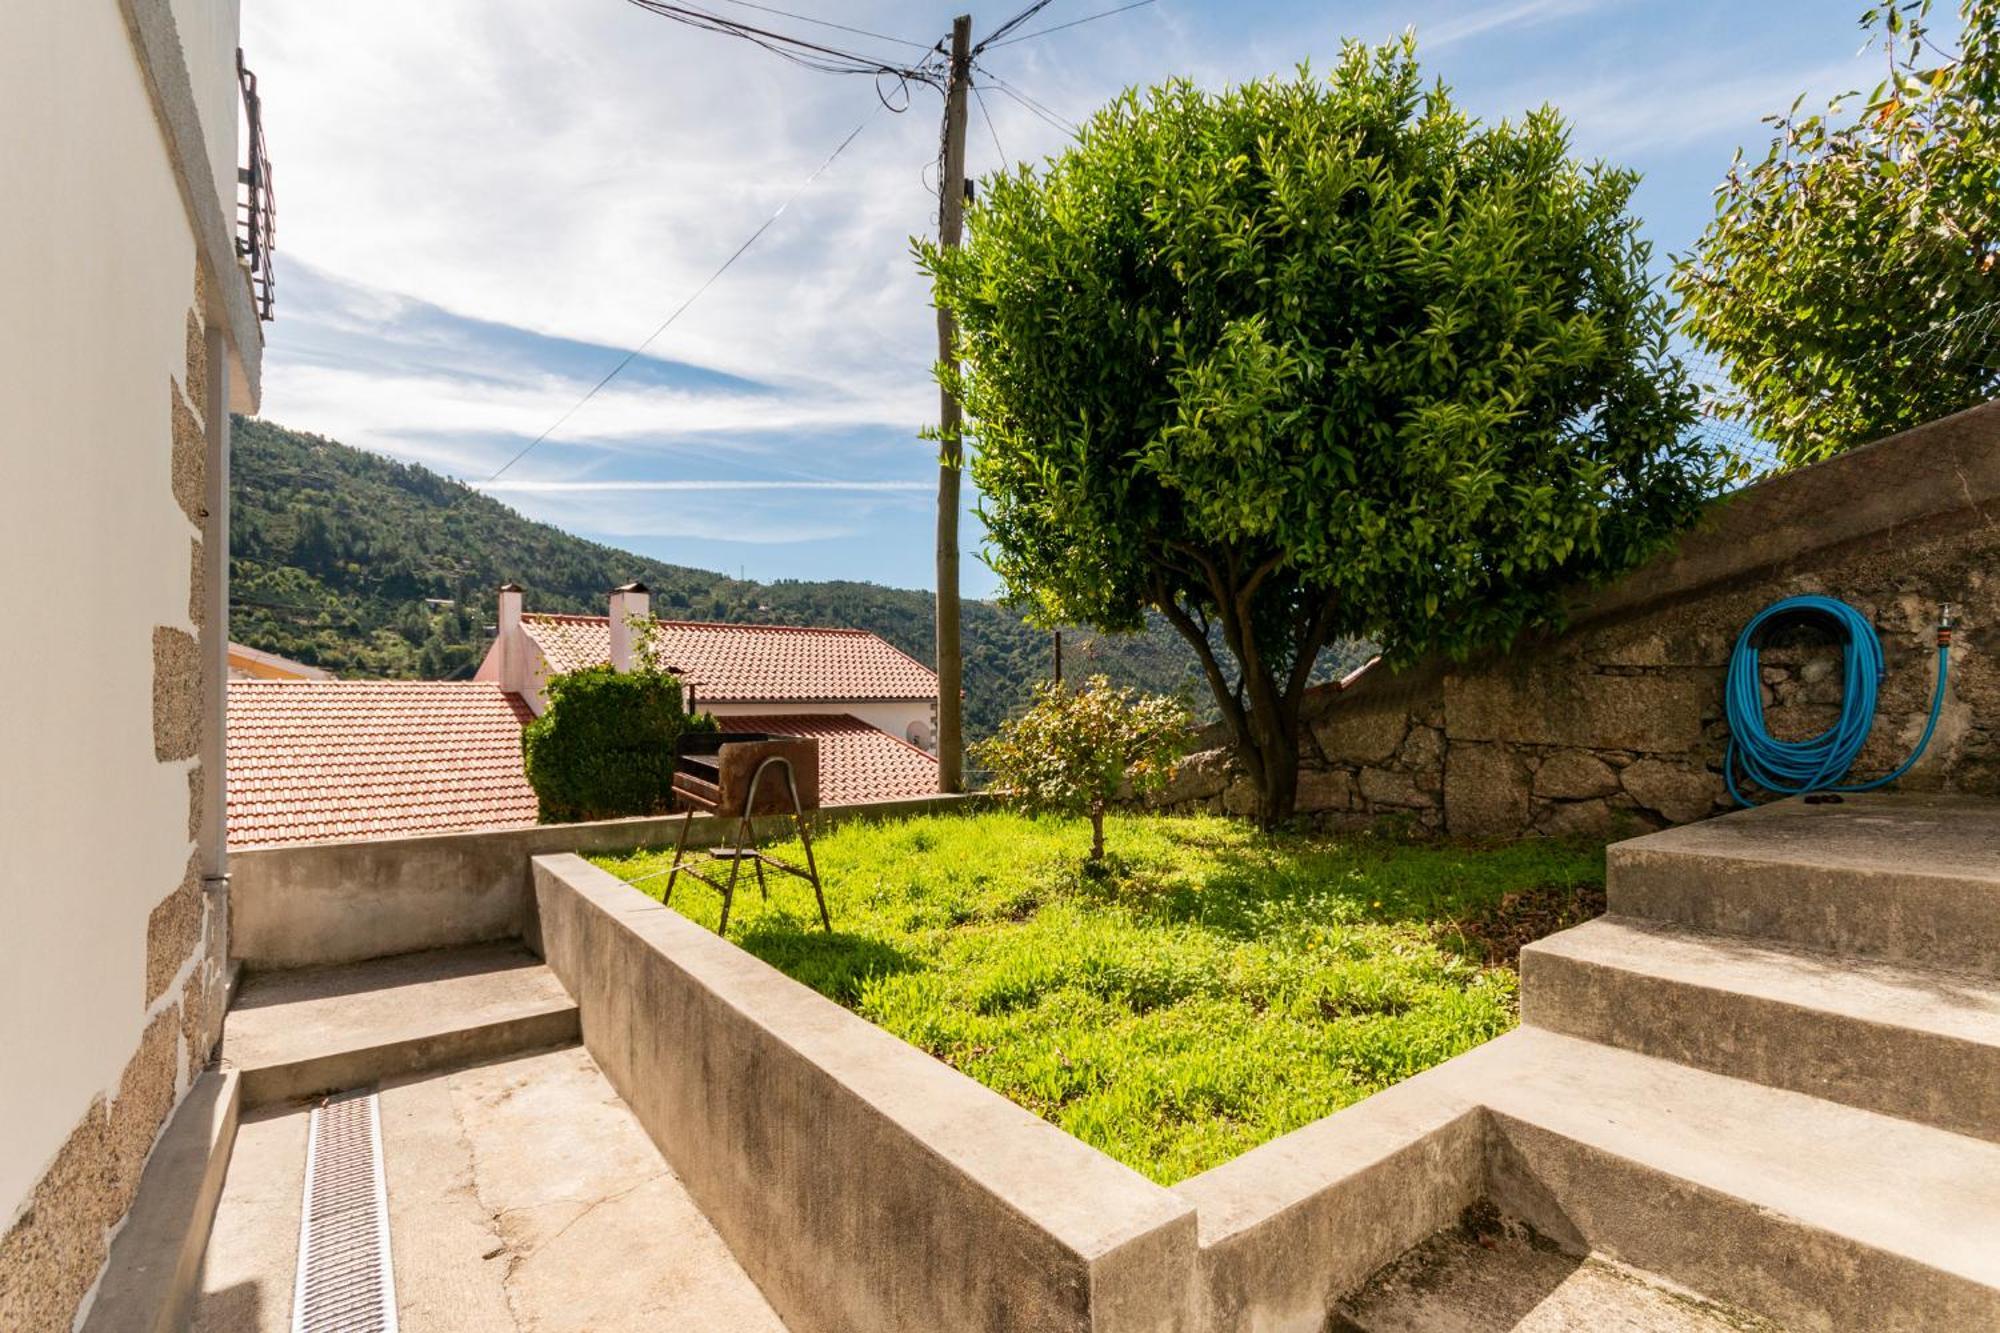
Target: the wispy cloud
(1687, 100)
(513, 193)
(1495, 18)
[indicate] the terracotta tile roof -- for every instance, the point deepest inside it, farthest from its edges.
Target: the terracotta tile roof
(316, 760)
(857, 762)
(750, 663)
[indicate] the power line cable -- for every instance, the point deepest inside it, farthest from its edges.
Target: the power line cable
(1073, 23)
(1052, 117)
(987, 116)
(1011, 24)
(798, 50)
(1037, 113)
(842, 27)
(681, 309)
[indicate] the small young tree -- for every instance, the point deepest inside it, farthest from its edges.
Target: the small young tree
(1861, 228)
(1303, 361)
(1075, 750)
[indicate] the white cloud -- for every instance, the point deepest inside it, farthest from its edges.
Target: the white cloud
(1689, 100)
(577, 168)
(1497, 17)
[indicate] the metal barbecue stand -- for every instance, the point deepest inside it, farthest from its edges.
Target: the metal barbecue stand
(701, 783)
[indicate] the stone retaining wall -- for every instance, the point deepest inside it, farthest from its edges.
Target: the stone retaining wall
(1619, 720)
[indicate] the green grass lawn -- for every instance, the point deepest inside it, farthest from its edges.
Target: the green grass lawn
(1218, 987)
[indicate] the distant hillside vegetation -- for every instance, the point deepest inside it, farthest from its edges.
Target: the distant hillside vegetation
(370, 567)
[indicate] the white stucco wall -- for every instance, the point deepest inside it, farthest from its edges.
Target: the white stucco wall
(208, 30)
(97, 262)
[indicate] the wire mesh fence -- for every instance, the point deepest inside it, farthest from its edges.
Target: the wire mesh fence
(1950, 366)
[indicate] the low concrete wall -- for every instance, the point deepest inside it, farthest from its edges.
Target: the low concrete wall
(1293, 1225)
(860, 1182)
(1620, 718)
(307, 904)
(865, 1185)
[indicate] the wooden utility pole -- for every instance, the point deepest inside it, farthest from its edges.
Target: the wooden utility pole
(951, 225)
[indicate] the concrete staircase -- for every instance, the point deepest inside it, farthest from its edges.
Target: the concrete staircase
(295, 1034)
(1772, 1073)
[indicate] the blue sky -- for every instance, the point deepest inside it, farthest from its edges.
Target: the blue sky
(477, 219)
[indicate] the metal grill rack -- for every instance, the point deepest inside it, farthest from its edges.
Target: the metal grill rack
(745, 775)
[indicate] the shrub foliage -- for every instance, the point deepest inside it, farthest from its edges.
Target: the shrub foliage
(605, 747)
(1075, 750)
(1865, 225)
(1308, 360)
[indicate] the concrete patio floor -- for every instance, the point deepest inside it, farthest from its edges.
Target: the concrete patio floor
(522, 1196)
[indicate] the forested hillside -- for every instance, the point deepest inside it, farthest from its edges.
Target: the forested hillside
(370, 567)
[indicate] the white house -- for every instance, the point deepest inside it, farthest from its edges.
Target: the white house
(737, 672)
(132, 332)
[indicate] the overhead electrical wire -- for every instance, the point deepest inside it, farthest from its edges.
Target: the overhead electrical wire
(987, 116)
(1045, 113)
(932, 70)
(841, 27)
(798, 50)
(1001, 32)
(681, 309)
(1073, 23)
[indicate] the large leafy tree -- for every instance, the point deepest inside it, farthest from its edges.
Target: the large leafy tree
(1312, 359)
(1848, 280)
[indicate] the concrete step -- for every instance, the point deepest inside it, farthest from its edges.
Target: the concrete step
(1908, 878)
(1490, 1274)
(1918, 1043)
(299, 1033)
(1814, 1214)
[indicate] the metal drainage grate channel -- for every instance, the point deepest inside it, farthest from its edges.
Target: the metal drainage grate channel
(346, 1283)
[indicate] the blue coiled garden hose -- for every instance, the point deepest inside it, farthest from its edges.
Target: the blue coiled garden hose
(1791, 768)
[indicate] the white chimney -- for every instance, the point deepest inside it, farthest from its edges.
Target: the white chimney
(507, 630)
(629, 603)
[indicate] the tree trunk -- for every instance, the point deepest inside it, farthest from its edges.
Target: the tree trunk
(1262, 711)
(1097, 833)
(1278, 783)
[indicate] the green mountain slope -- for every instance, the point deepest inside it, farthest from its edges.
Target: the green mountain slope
(374, 568)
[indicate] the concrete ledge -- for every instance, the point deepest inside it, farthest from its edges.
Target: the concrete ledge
(1946, 470)
(150, 1276)
(1718, 1243)
(861, 1183)
(322, 1029)
(1290, 1227)
(309, 1076)
(310, 904)
(1903, 878)
(1915, 1043)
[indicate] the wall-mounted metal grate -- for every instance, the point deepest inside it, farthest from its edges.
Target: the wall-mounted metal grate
(256, 200)
(346, 1282)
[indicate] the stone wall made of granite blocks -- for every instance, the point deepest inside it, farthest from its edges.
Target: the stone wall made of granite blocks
(1620, 722)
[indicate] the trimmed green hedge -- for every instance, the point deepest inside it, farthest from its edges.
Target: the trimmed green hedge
(605, 747)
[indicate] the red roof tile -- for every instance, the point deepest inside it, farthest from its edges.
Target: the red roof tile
(749, 663)
(313, 761)
(335, 759)
(857, 762)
